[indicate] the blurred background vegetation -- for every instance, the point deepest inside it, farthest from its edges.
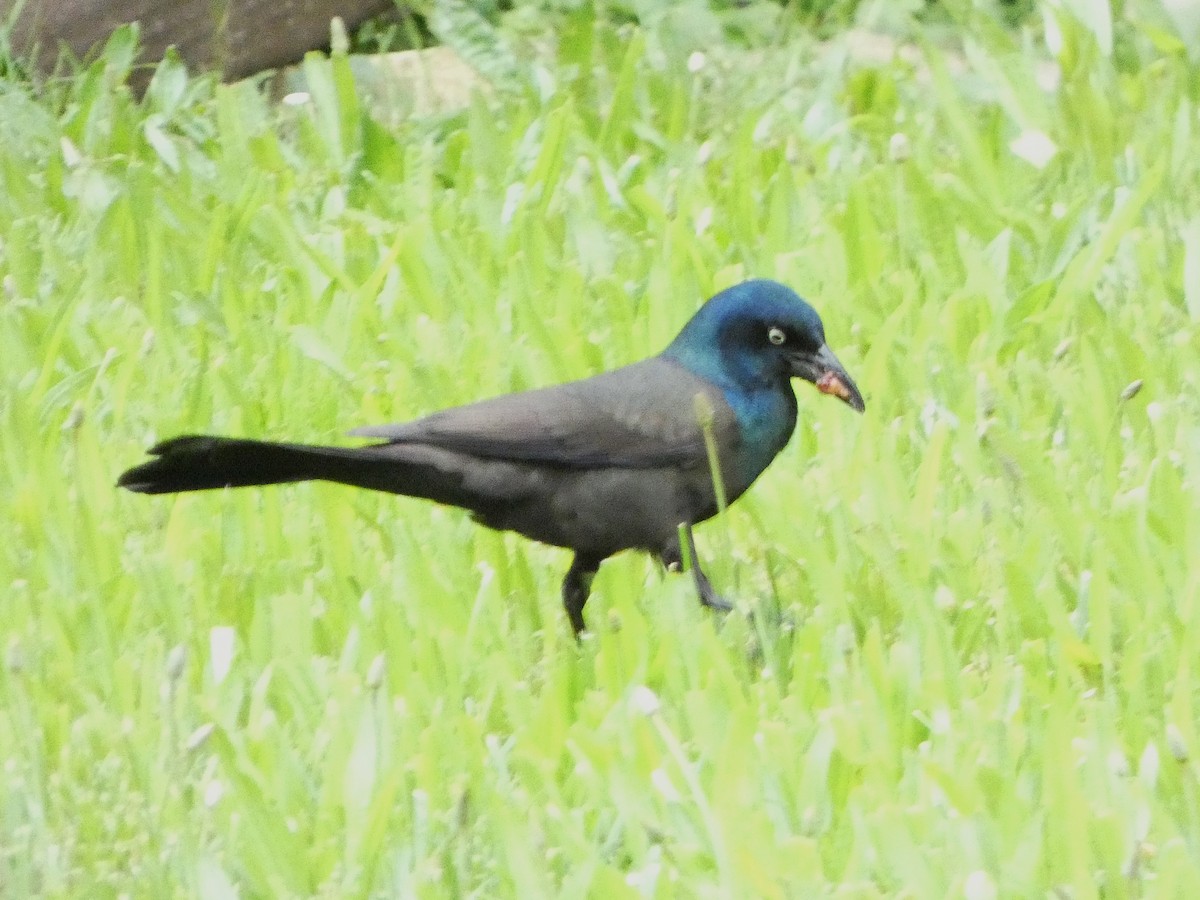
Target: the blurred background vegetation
(972, 666)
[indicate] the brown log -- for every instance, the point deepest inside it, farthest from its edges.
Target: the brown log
(235, 37)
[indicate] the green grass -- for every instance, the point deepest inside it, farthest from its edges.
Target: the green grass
(974, 668)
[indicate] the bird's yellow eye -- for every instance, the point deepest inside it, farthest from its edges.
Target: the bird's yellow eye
(775, 335)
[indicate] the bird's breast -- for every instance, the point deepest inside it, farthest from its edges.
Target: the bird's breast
(766, 420)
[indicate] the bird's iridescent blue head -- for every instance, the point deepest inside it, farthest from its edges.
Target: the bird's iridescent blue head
(760, 332)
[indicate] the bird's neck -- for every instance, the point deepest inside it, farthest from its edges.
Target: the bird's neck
(733, 373)
(762, 402)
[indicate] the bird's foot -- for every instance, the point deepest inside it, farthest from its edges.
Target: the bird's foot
(710, 598)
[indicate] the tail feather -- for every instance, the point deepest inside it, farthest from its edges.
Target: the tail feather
(197, 463)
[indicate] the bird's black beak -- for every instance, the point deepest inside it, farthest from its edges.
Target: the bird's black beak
(822, 368)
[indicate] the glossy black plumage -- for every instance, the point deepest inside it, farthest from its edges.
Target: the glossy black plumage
(609, 463)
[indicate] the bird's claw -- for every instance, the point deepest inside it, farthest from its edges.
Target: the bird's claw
(714, 601)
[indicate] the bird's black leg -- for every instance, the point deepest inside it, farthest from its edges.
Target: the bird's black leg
(672, 559)
(576, 587)
(708, 595)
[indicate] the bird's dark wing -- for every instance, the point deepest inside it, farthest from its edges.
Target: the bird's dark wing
(641, 416)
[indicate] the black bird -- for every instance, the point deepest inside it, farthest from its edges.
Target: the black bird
(613, 462)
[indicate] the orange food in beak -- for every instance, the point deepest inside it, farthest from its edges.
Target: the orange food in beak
(831, 383)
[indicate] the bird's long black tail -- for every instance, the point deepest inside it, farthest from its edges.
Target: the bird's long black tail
(197, 463)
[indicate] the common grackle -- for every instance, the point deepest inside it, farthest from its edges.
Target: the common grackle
(613, 462)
